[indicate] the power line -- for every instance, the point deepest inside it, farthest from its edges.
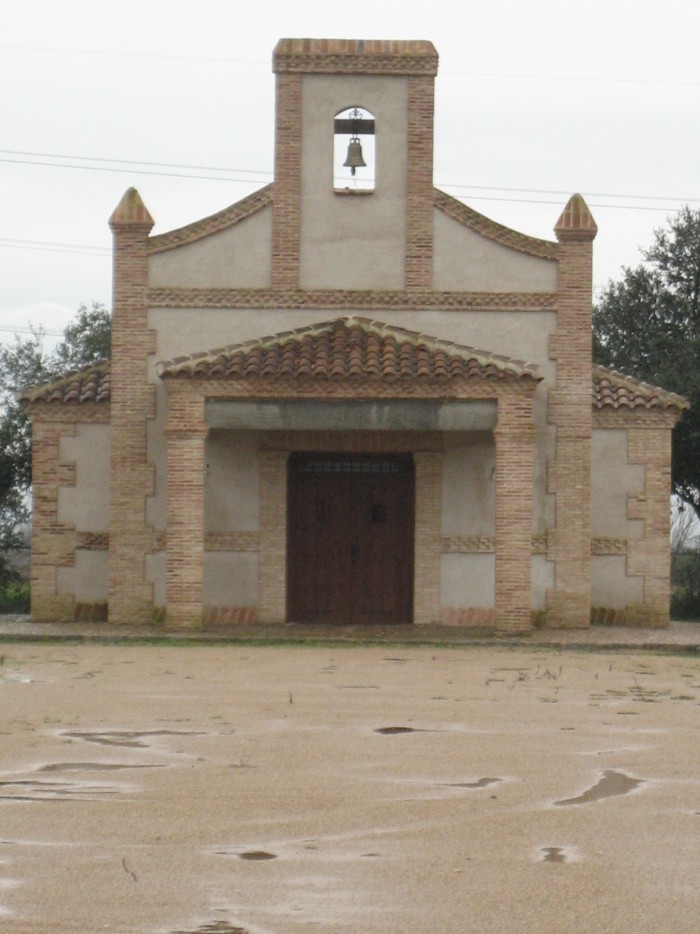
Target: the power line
(268, 174)
(24, 329)
(259, 63)
(48, 246)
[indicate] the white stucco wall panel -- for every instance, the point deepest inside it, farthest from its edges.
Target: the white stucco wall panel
(232, 482)
(155, 575)
(468, 485)
(464, 260)
(467, 580)
(238, 257)
(86, 504)
(610, 586)
(230, 578)
(87, 581)
(612, 481)
(542, 580)
(353, 242)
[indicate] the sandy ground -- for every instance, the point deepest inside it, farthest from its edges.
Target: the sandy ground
(223, 789)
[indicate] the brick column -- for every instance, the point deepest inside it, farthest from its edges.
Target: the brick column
(272, 568)
(428, 540)
(286, 208)
(569, 409)
(419, 183)
(132, 403)
(514, 435)
(186, 433)
(650, 556)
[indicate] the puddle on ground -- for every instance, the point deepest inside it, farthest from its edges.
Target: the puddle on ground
(256, 855)
(479, 783)
(28, 790)
(395, 730)
(554, 854)
(92, 766)
(357, 687)
(610, 785)
(215, 927)
(128, 738)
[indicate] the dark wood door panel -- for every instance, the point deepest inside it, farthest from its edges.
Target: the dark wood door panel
(350, 540)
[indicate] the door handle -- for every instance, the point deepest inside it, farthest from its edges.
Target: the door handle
(354, 552)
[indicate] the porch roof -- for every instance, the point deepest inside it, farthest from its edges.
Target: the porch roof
(614, 390)
(348, 348)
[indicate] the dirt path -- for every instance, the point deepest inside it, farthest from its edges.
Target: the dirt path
(220, 789)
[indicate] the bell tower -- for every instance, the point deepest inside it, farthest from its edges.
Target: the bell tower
(372, 229)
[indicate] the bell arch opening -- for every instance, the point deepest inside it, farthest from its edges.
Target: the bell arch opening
(354, 151)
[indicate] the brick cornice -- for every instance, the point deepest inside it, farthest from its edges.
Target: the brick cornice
(68, 412)
(213, 224)
(351, 299)
(355, 56)
(468, 217)
(635, 418)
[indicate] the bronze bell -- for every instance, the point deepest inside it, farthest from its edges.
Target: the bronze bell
(354, 156)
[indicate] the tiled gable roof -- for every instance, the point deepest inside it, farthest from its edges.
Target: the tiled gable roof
(610, 389)
(613, 390)
(89, 385)
(348, 348)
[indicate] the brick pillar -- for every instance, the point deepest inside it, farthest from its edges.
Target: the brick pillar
(272, 569)
(419, 183)
(650, 556)
(286, 208)
(132, 403)
(428, 541)
(53, 543)
(569, 409)
(514, 435)
(186, 433)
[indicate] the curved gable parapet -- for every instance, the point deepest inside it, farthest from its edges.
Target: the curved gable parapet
(213, 224)
(504, 236)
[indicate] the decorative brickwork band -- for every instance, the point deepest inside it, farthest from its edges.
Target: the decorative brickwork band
(349, 300)
(469, 617)
(355, 56)
(515, 435)
(132, 403)
(229, 615)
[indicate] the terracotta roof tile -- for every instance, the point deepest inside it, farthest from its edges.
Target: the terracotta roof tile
(382, 353)
(89, 385)
(348, 348)
(616, 391)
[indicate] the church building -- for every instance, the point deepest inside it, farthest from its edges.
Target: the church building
(350, 398)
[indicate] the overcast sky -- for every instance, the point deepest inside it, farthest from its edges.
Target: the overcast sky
(534, 101)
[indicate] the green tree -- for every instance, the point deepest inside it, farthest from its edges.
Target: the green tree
(648, 325)
(25, 363)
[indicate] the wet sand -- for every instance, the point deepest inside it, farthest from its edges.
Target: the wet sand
(222, 789)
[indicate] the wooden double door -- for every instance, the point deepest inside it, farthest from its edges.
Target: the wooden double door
(350, 538)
